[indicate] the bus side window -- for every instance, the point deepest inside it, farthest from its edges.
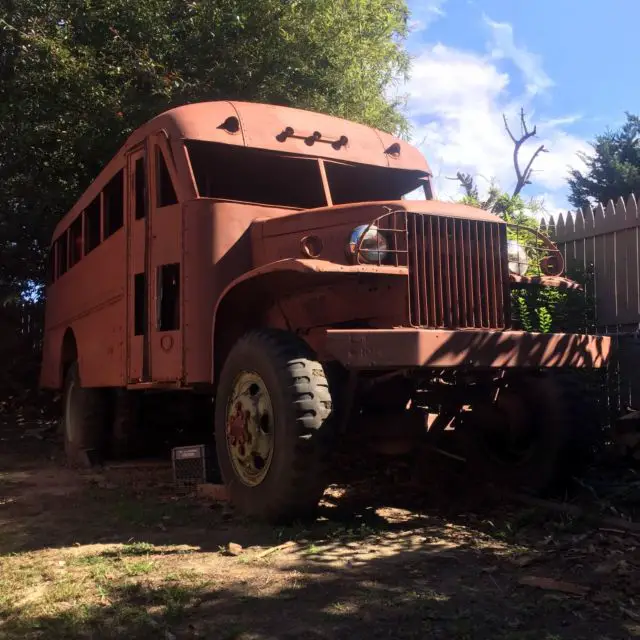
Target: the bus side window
(51, 265)
(168, 279)
(113, 205)
(75, 241)
(61, 254)
(141, 190)
(165, 193)
(92, 225)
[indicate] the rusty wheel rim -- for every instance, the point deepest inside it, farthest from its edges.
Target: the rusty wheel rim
(249, 428)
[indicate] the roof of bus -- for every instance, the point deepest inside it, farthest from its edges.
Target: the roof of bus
(263, 126)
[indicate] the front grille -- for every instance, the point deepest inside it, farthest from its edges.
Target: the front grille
(457, 273)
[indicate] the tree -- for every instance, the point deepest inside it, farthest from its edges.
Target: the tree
(76, 77)
(613, 169)
(509, 207)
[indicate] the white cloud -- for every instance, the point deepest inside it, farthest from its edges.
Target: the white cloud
(503, 46)
(424, 13)
(456, 100)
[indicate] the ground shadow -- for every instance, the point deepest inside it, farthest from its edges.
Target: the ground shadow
(384, 560)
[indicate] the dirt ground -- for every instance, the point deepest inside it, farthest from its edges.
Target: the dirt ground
(119, 553)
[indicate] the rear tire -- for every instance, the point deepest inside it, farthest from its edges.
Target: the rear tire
(125, 430)
(273, 426)
(84, 422)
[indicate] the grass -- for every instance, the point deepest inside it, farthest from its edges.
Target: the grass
(69, 592)
(117, 559)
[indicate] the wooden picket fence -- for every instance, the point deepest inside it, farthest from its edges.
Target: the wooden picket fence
(605, 241)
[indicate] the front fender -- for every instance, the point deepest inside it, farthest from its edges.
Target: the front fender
(243, 299)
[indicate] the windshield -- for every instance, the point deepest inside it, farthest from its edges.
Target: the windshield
(365, 183)
(231, 172)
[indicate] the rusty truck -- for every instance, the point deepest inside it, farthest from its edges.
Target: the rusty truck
(295, 271)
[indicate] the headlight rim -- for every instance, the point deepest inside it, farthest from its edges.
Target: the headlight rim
(520, 264)
(354, 244)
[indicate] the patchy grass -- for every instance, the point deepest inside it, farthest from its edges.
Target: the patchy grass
(74, 592)
(119, 555)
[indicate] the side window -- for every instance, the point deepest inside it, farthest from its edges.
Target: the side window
(113, 205)
(139, 304)
(61, 254)
(165, 193)
(169, 297)
(140, 183)
(51, 265)
(75, 241)
(92, 226)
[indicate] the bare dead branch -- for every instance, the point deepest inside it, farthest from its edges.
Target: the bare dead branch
(522, 177)
(506, 126)
(528, 170)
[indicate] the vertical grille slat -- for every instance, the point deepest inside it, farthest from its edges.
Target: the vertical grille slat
(425, 315)
(471, 316)
(456, 273)
(453, 270)
(416, 287)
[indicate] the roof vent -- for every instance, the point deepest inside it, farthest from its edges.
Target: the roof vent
(393, 150)
(230, 125)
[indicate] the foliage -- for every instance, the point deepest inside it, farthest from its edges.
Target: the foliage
(613, 169)
(76, 77)
(552, 310)
(536, 308)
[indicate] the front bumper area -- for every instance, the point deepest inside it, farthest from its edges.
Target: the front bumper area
(441, 349)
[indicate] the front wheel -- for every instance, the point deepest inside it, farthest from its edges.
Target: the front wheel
(273, 422)
(534, 433)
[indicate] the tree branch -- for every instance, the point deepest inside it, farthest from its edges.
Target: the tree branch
(522, 177)
(506, 126)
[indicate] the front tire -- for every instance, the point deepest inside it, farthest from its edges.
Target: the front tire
(273, 424)
(535, 436)
(84, 421)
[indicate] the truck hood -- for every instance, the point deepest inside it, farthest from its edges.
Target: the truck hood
(311, 220)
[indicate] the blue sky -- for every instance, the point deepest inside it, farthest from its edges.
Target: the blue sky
(570, 63)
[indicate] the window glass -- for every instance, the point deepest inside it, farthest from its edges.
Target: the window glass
(75, 241)
(140, 186)
(51, 265)
(61, 254)
(230, 172)
(139, 304)
(366, 183)
(92, 225)
(169, 295)
(113, 205)
(166, 194)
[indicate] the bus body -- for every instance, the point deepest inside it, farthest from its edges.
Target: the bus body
(228, 245)
(140, 261)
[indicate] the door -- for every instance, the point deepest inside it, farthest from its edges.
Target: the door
(164, 266)
(137, 271)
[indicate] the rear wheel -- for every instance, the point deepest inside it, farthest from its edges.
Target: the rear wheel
(535, 434)
(273, 422)
(84, 420)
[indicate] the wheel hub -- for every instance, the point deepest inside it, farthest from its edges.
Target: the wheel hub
(249, 428)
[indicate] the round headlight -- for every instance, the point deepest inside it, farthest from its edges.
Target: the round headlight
(518, 260)
(373, 244)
